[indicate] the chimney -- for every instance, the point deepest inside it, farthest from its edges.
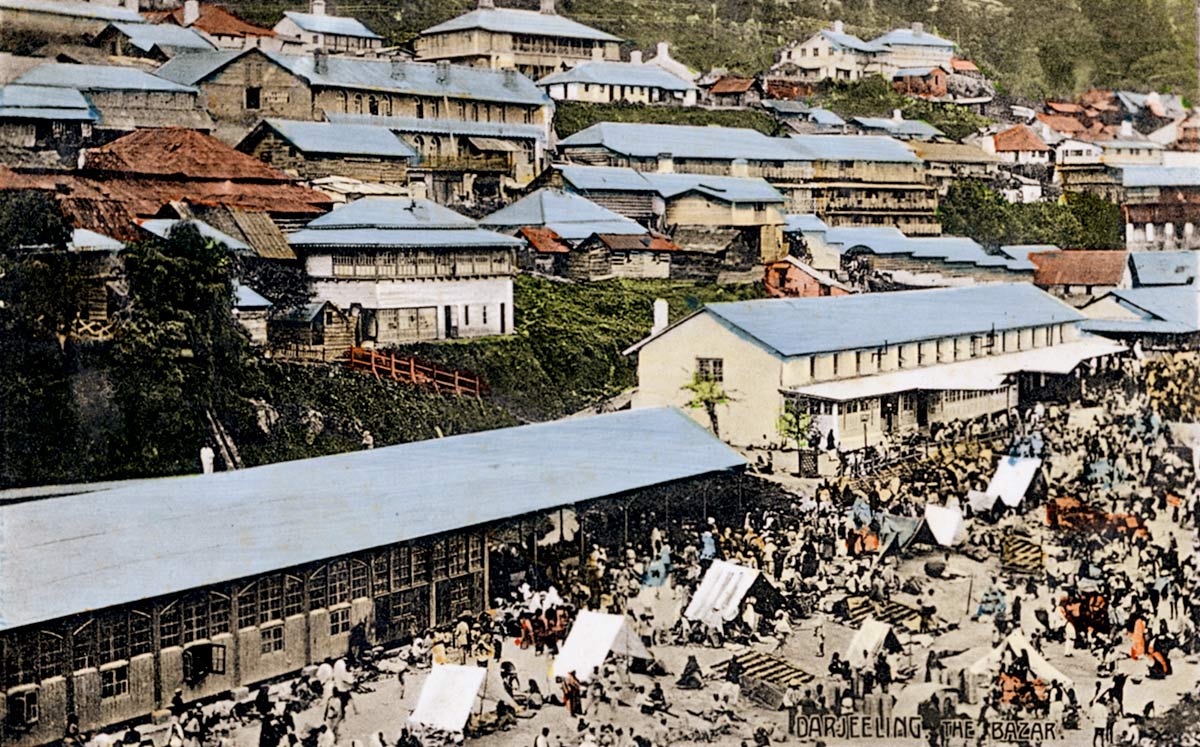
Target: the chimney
(443, 71)
(487, 4)
(398, 64)
(191, 12)
(548, 7)
(897, 116)
(666, 163)
(839, 27)
(317, 7)
(918, 28)
(1126, 129)
(320, 62)
(739, 167)
(510, 78)
(661, 316)
(635, 57)
(662, 51)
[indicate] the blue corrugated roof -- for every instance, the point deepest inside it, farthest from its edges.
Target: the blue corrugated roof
(335, 25)
(75, 9)
(804, 223)
(396, 222)
(850, 41)
(1160, 176)
(619, 74)
(44, 102)
(854, 148)
(802, 326)
(162, 227)
(424, 78)
(954, 249)
(84, 240)
(1129, 145)
(514, 21)
(825, 117)
(342, 139)
(392, 212)
(913, 72)
(246, 297)
(732, 189)
(681, 141)
(84, 552)
(147, 36)
(444, 126)
(1177, 305)
(1164, 268)
(571, 216)
(905, 127)
(387, 238)
(100, 78)
(907, 37)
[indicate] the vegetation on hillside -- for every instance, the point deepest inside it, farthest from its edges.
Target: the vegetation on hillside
(566, 353)
(1080, 221)
(873, 97)
(573, 116)
(1030, 47)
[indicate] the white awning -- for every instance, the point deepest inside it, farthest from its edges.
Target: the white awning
(593, 636)
(719, 596)
(977, 374)
(494, 145)
(448, 696)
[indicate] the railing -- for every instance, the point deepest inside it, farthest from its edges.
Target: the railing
(449, 163)
(415, 371)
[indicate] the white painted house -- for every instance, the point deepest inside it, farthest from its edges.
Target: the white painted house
(412, 269)
(633, 82)
(319, 30)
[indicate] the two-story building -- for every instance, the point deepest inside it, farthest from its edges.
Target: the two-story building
(314, 150)
(317, 29)
(537, 43)
(868, 367)
(829, 54)
(242, 87)
(632, 82)
(913, 47)
(222, 28)
(149, 41)
(410, 269)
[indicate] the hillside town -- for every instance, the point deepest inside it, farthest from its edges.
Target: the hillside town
(511, 384)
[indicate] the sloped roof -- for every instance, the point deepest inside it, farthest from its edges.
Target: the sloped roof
(949, 249)
(100, 78)
(683, 141)
(396, 222)
(647, 242)
(732, 189)
(213, 19)
(147, 36)
(1164, 268)
(141, 540)
(907, 37)
(570, 216)
(1061, 123)
(175, 151)
(1064, 107)
(44, 102)
(162, 227)
(803, 326)
(246, 297)
(853, 148)
(544, 240)
(342, 139)
(430, 79)
(1078, 267)
(915, 72)
(960, 65)
(392, 212)
(334, 25)
(907, 127)
(951, 152)
(619, 74)
(731, 84)
(1019, 139)
(444, 126)
(74, 9)
(514, 21)
(1179, 306)
(850, 41)
(804, 222)
(1160, 176)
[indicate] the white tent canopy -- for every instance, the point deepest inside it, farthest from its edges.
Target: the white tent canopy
(946, 524)
(593, 636)
(720, 593)
(447, 697)
(1016, 642)
(869, 638)
(1012, 478)
(980, 501)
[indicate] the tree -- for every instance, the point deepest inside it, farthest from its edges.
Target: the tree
(707, 394)
(181, 359)
(971, 209)
(1100, 221)
(796, 424)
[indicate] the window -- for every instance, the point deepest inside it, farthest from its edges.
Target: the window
(812, 366)
(270, 599)
(373, 105)
(858, 362)
(23, 708)
(318, 593)
(49, 655)
(339, 620)
(247, 607)
(140, 633)
(711, 369)
(253, 98)
(194, 611)
(339, 583)
(458, 555)
(218, 613)
(359, 580)
(83, 650)
(420, 564)
(293, 596)
(401, 568)
(475, 552)
(272, 639)
(114, 682)
(201, 660)
(835, 364)
(439, 565)
(381, 573)
(113, 638)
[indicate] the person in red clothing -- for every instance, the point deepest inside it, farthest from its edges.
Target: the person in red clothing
(572, 695)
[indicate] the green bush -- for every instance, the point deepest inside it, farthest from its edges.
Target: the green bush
(573, 116)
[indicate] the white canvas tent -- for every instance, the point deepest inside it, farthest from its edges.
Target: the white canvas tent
(1017, 643)
(720, 593)
(945, 524)
(981, 501)
(1012, 478)
(593, 636)
(448, 696)
(914, 694)
(871, 637)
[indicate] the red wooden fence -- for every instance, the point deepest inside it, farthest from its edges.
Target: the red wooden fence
(415, 371)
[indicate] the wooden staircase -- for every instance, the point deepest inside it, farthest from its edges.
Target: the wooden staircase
(415, 371)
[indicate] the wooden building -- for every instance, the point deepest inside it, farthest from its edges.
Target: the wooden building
(792, 278)
(922, 82)
(221, 27)
(318, 331)
(313, 150)
(316, 29)
(537, 43)
(108, 612)
(149, 41)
